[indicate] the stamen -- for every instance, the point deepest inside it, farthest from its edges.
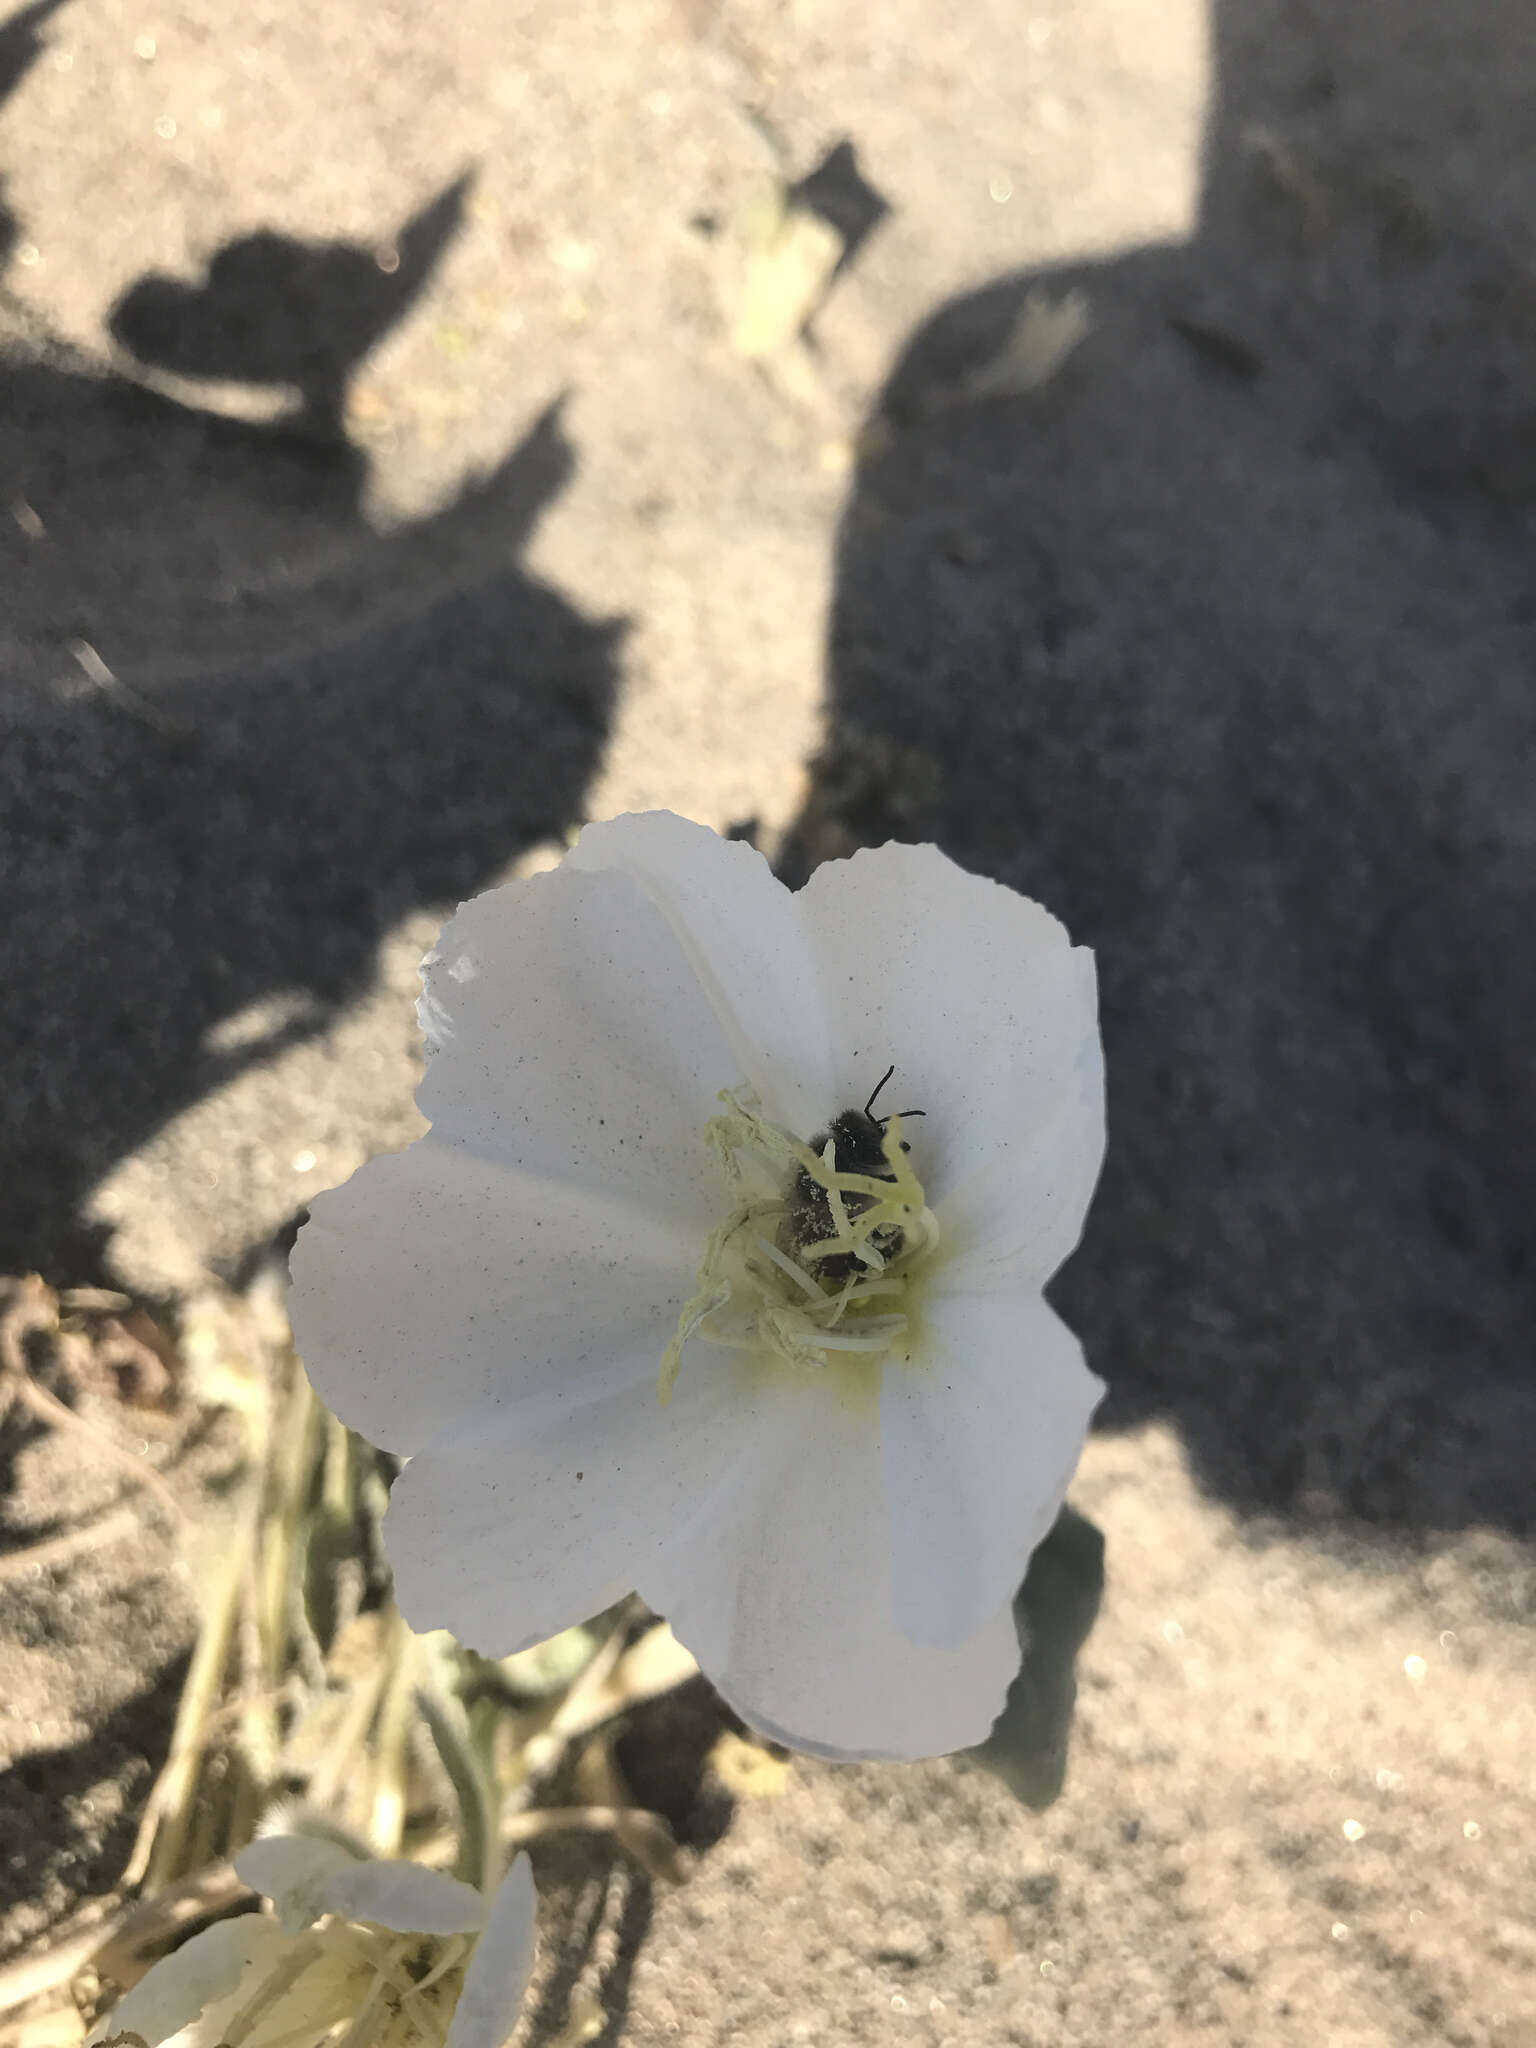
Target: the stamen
(883, 1330)
(372, 2015)
(844, 1298)
(454, 1950)
(276, 1984)
(800, 1306)
(787, 1266)
(834, 1193)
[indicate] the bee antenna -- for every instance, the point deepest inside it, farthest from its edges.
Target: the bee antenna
(878, 1086)
(905, 1112)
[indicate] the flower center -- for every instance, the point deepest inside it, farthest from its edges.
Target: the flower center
(820, 1245)
(371, 1979)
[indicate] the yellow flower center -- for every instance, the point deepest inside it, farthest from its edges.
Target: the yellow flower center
(815, 1258)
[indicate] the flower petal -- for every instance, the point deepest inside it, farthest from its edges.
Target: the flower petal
(436, 1280)
(741, 931)
(549, 1507)
(292, 1871)
(568, 1035)
(500, 1967)
(582, 1023)
(188, 1995)
(1013, 1220)
(981, 1441)
(976, 994)
(405, 1897)
(786, 1598)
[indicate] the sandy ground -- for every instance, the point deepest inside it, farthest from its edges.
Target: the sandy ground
(380, 494)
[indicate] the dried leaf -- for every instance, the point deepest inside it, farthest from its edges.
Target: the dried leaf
(61, 2029)
(788, 256)
(551, 1666)
(1044, 333)
(747, 1770)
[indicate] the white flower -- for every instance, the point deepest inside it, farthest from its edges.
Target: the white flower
(398, 1955)
(832, 1483)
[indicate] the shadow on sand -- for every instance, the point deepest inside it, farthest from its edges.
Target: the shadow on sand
(1222, 645)
(261, 732)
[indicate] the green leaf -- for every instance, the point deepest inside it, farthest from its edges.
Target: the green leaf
(1053, 1610)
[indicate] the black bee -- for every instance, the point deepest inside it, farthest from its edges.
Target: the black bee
(858, 1138)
